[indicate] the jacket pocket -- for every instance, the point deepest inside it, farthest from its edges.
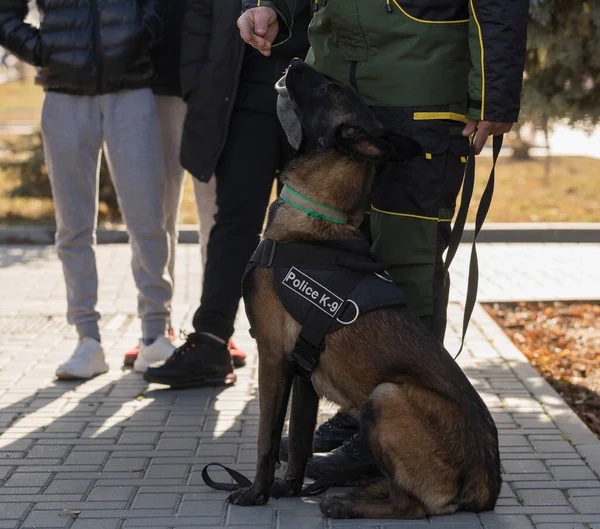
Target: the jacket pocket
(434, 11)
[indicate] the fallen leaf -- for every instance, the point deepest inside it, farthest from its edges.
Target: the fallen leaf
(69, 512)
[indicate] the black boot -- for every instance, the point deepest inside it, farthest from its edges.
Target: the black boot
(353, 457)
(201, 361)
(331, 434)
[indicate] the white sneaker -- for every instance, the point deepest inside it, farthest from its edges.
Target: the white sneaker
(158, 352)
(87, 361)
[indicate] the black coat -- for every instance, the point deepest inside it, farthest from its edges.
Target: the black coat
(85, 47)
(166, 56)
(219, 72)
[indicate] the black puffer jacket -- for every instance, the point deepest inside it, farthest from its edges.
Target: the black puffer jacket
(220, 72)
(85, 47)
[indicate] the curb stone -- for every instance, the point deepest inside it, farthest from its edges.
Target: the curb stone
(503, 232)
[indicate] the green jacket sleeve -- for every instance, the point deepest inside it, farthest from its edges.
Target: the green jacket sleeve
(18, 37)
(498, 38)
(285, 10)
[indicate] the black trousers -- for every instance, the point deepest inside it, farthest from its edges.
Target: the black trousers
(255, 152)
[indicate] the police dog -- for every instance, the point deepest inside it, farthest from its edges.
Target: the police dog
(430, 433)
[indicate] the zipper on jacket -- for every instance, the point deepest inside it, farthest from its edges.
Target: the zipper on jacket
(316, 6)
(388, 6)
(96, 44)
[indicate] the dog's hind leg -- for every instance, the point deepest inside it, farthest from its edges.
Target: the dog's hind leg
(373, 499)
(410, 450)
(275, 374)
(303, 418)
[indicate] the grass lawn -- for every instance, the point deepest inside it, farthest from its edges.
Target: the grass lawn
(571, 193)
(523, 193)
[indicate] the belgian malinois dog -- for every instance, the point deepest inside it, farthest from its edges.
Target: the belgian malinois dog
(430, 433)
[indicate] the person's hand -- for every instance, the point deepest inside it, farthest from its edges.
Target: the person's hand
(259, 27)
(484, 130)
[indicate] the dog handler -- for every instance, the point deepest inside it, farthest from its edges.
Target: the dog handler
(436, 71)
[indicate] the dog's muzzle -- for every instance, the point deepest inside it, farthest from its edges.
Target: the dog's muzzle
(287, 115)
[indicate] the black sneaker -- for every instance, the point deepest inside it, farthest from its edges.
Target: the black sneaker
(201, 361)
(353, 457)
(331, 434)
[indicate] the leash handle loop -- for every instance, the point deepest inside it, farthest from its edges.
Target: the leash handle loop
(240, 479)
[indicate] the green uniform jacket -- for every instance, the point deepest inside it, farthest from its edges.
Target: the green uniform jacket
(452, 58)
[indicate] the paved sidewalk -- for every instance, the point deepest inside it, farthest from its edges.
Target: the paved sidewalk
(114, 453)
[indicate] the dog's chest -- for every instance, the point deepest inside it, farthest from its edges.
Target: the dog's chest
(326, 389)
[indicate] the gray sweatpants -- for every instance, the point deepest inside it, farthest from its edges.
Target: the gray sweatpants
(171, 114)
(124, 124)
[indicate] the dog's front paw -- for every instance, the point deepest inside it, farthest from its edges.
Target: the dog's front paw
(283, 488)
(248, 496)
(336, 507)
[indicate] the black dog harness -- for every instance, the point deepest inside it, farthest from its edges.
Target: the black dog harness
(324, 288)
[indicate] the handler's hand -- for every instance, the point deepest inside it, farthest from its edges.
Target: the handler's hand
(259, 27)
(484, 130)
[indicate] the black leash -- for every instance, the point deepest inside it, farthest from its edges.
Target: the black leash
(318, 487)
(459, 226)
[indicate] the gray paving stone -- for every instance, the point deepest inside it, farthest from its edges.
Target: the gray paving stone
(571, 473)
(177, 444)
(40, 451)
(560, 526)
(16, 498)
(498, 521)
(217, 449)
(524, 485)
(206, 522)
(290, 520)
(543, 497)
(566, 518)
(65, 426)
(524, 466)
(68, 486)
(79, 505)
(25, 479)
(202, 508)
(96, 524)
(253, 516)
(155, 501)
(167, 471)
(528, 510)
(117, 493)
(13, 510)
(513, 440)
(138, 438)
(587, 505)
(552, 446)
(46, 519)
(125, 464)
(86, 457)
(4, 472)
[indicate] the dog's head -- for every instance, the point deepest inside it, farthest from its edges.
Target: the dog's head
(334, 116)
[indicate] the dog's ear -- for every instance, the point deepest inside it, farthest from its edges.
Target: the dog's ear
(404, 148)
(356, 142)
